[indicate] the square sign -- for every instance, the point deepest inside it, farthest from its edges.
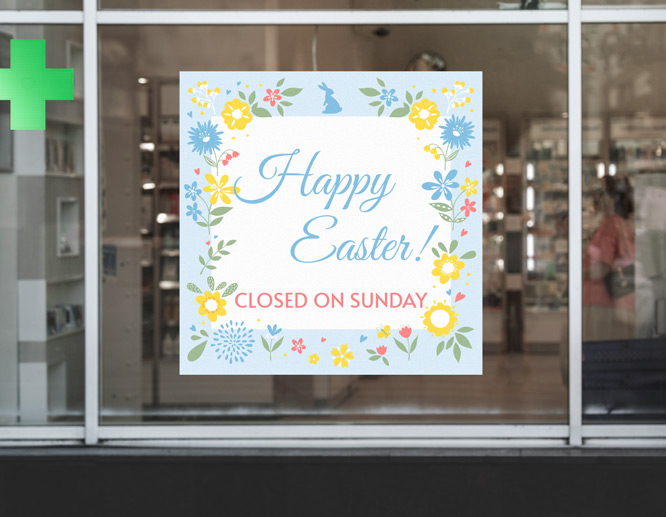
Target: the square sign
(330, 223)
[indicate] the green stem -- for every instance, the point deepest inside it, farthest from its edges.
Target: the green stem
(409, 353)
(270, 351)
(453, 210)
(208, 210)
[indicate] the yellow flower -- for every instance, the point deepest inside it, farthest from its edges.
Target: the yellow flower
(190, 90)
(217, 90)
(427, 148)
(211, 305)
(471, 90)
(341, 356)
(236, 114)
(424, 114)
(469, 187)
(439, 319)
(444, 90)
(219, 190)
(314, 358)
(447, 267)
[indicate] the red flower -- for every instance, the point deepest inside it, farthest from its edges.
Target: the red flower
(273, 95)
(468, 207)
(298, 346)
(228, 157)
(235, 154)
(381, 350)
(225, 162)
(405, 331)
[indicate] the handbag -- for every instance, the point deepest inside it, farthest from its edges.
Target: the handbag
(621, 280)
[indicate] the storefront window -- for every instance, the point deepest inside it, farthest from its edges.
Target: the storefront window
(41, 238)
(40, 4)
(624, 224)
(331, 4)
(525, 277)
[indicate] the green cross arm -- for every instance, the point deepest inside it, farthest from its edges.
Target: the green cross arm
(28, 84)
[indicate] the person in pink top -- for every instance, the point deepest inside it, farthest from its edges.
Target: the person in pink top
(608, 311)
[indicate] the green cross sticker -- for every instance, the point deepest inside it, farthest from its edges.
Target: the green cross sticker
(28, 84)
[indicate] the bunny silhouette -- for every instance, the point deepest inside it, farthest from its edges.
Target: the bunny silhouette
(330, 104)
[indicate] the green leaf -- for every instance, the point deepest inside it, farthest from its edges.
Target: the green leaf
(252, 97)
(220, 245)
(400, 346)
(446, 217)
(435, 252)
(409, 97)
(456, 352)
(375, 103)
(241, 94)
(196, 352)
(202, 262)
(211, 283)
(453, 246)
(375, 357)
(193, 288)
(201, 223)
(449, 343)
(400, 112)
(229, 290)
(210, 161)
(465, 329)
(195, 337)
(231, 242)
(469, 255)
(386, 362)
(460, 220)
(280, 83)
(452, 155)
(261, 112)
(216, 258)
(413, 347)
(224, 252)
(286, 103)
(254, 105)
(220, 210)
(381, 83)
(216, 221)
(440, 347)
(221, 286)
(290, 92)
(210, 267)
(442, 207)
(442, 246)
(277, 344)
(265, 343)
(280, 110)
(463, 341)
(380, 110)
(204, 333)
(370, 92)
(419, 95)
(370, 351)
(406, 106)
(210, 252)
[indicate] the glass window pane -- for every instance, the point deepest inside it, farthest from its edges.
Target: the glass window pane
(41, 238)
(624, 223)
(332, 4)
(41, 4)
(525, 136)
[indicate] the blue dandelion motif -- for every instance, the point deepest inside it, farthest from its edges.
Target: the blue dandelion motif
(457, 132)
(205, 138)
(233, 342)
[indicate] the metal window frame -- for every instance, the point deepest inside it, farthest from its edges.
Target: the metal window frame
(335, 436)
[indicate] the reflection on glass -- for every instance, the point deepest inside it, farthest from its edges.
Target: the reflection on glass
(41, 4)
(525, 317)
(41, 243)
(624, 225)
(332, 4)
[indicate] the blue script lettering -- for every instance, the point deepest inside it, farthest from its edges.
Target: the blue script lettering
(368, 248)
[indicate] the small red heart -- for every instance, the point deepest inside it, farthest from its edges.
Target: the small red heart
(459, 297)
(464, 232)
(468, 163)
(197, 171)
(299, 342)
(207, 243)
(323, 339)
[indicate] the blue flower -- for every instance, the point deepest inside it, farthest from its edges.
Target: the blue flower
(443, 185)
(205, 138)
(388, 96)
(192, 191)
(233, 342)
(457, 132)
(193, 211)
(273, 330)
